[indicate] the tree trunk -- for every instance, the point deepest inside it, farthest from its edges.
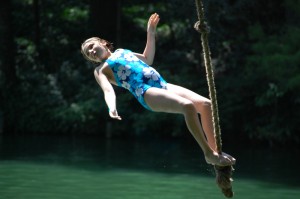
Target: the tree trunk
(7, 43)
(7, 63)
(36, 11)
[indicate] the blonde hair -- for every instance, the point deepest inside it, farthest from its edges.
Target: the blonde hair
(94, 39)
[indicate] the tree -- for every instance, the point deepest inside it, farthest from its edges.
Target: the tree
(7, 65)
(7, 43)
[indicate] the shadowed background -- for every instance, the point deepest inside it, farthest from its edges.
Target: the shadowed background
(48, 90)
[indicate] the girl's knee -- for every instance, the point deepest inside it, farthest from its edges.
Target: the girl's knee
(204, 105)
(207, 103)
(189, 107)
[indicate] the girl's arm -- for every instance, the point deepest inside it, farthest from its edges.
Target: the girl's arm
(149, 52)
(109, 93)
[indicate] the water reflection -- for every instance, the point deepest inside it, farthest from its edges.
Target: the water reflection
(90, 167)
(154, 154)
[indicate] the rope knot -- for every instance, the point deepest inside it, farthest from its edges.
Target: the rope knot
(201, 28)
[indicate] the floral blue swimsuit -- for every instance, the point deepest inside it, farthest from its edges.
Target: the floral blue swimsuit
(134, 75)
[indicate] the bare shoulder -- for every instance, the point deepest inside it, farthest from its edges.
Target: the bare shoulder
(143, 58)
(104, 71)
(101, 69)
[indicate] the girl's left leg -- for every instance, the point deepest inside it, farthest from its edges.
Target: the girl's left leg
(203, 106)
(160, 100)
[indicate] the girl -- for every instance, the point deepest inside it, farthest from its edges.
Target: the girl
(132, 71)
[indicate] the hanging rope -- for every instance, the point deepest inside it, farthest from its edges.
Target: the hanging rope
(202, 27)
(223, 174)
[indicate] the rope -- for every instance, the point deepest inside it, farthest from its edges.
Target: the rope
(223, 174)
(202, 27)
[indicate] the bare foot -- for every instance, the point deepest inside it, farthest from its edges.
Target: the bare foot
(221, 160)
(232, 159)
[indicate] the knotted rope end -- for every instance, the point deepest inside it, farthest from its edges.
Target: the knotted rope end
(223, 179)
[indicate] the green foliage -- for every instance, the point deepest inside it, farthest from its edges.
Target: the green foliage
(255, 52)
(75, 14)
(272, 71)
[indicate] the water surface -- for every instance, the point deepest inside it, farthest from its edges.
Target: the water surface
(56, 167)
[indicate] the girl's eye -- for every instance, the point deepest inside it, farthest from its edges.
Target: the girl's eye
(89, 48)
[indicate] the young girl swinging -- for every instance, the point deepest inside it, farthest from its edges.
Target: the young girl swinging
(133, 72)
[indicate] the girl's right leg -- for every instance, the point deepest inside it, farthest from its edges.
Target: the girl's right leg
(161, 100)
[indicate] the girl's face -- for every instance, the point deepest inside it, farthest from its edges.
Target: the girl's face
(96, 51)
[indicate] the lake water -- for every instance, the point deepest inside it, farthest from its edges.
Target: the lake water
(56, 167)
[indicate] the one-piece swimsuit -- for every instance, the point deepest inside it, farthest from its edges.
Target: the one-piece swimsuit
(134, 75)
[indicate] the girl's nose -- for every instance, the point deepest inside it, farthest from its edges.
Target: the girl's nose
(92, 52)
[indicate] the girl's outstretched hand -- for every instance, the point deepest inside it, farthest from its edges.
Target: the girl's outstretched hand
(114, 114)
(152, 23)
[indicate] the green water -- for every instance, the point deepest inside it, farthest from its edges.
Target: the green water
(88, 168)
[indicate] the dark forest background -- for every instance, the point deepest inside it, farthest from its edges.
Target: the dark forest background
(48, 88)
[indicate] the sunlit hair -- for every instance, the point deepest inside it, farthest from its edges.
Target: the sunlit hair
(94, 39)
